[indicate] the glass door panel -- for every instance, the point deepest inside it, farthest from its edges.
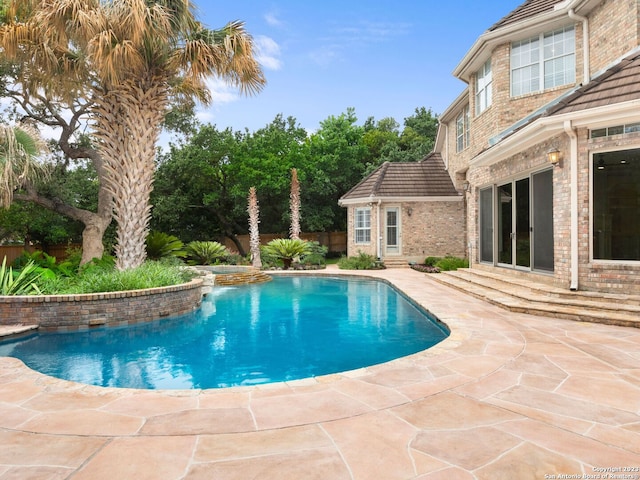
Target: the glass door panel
(543, 253)
(505, 223)
(392, 230)
(486, 225)
(523, 225)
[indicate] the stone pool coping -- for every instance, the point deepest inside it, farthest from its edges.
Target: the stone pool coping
(505, 396)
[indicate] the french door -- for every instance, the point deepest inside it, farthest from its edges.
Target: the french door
(392, 230)
(516, 229)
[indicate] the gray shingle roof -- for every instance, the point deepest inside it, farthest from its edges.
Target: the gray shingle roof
(528, 9)
(620, 83)
(426, 178)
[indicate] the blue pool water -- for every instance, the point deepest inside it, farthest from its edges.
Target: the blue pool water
(290, 328)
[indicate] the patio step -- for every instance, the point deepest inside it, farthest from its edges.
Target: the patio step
(396, 262)
(525, 296)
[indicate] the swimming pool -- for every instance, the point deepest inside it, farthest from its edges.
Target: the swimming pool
(293, 327)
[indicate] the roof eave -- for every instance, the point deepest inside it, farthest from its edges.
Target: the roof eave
(546, 127)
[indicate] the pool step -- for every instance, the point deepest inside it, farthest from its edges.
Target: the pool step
(16, 329)
(525, 296)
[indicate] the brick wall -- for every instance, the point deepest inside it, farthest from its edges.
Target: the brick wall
(613, 32)
(429, 228)
(80, 312)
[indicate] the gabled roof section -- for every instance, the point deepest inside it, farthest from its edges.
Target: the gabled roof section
(426, 178)
(619, 83)
(528, 9)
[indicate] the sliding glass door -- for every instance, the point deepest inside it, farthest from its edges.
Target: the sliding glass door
(520, 234)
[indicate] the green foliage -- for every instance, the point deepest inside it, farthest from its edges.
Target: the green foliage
(160, 245)
(452, 263)
(104, 278)
(46, 264)
(286, 249)
(363, 261)
(316, 258)
(445, 263)
(431, 261)
(22, 282)
(205, 253)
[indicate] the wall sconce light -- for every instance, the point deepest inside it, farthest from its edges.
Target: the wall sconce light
(409, 211)
(465, 185)
(553, 156)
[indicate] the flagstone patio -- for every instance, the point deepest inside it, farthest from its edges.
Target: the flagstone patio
(506, 396)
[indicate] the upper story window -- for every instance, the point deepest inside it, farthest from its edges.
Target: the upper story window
(462, 129)
(483, 88)
(542, 62)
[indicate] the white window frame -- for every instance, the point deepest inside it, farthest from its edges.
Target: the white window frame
(362, 225)
(533, 61)
(462, 129)
(484, 81)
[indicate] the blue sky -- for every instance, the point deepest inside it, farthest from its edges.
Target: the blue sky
(383, 58)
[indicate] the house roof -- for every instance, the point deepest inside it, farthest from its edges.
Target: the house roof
(426, 178)
(619, 83)
(527, 10)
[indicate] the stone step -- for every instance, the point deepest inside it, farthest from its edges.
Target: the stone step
(518, 295)
(396, 262)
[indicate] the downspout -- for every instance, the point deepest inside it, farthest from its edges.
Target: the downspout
(379, 232)
(586, 75)
(573, 159)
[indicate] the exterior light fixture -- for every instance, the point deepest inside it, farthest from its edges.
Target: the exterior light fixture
(465, 185)
(553, 156)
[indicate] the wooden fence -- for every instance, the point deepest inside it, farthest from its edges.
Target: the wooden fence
(11, 252)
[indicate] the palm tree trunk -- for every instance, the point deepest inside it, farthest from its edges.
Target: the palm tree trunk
(128, 125)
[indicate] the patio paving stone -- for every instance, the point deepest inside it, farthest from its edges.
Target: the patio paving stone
(506, 396)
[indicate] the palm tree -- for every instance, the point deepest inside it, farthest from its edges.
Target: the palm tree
(254, 231)
(132, 58)
(294, 198)
(20, 147)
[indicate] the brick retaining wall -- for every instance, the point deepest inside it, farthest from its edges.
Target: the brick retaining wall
(80, 312)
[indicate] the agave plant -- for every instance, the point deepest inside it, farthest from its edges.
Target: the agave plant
(205, 253)
(287, 249)
(161, 245)
(19, 283)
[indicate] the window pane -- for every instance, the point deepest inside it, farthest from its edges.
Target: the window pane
(616, 205)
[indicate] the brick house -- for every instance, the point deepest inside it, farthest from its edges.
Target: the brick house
(405, 211)
(544, 146)
(546, 141)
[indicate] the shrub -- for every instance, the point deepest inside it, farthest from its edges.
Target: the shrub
(452, 263)
(205, 253)
(160, 245)
(316, 256)
(363, 261)
(286, 249)
(22, 282)
(46, 264)
(431, 261)
(151, 274)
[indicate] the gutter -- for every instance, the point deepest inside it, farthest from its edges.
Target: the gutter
(379, 232)
(585, 44)
(573, 159)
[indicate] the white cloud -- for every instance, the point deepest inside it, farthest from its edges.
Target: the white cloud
(222, 92)
(273, 20)
(268, 52)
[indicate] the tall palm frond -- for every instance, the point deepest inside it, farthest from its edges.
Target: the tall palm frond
(20, 147)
